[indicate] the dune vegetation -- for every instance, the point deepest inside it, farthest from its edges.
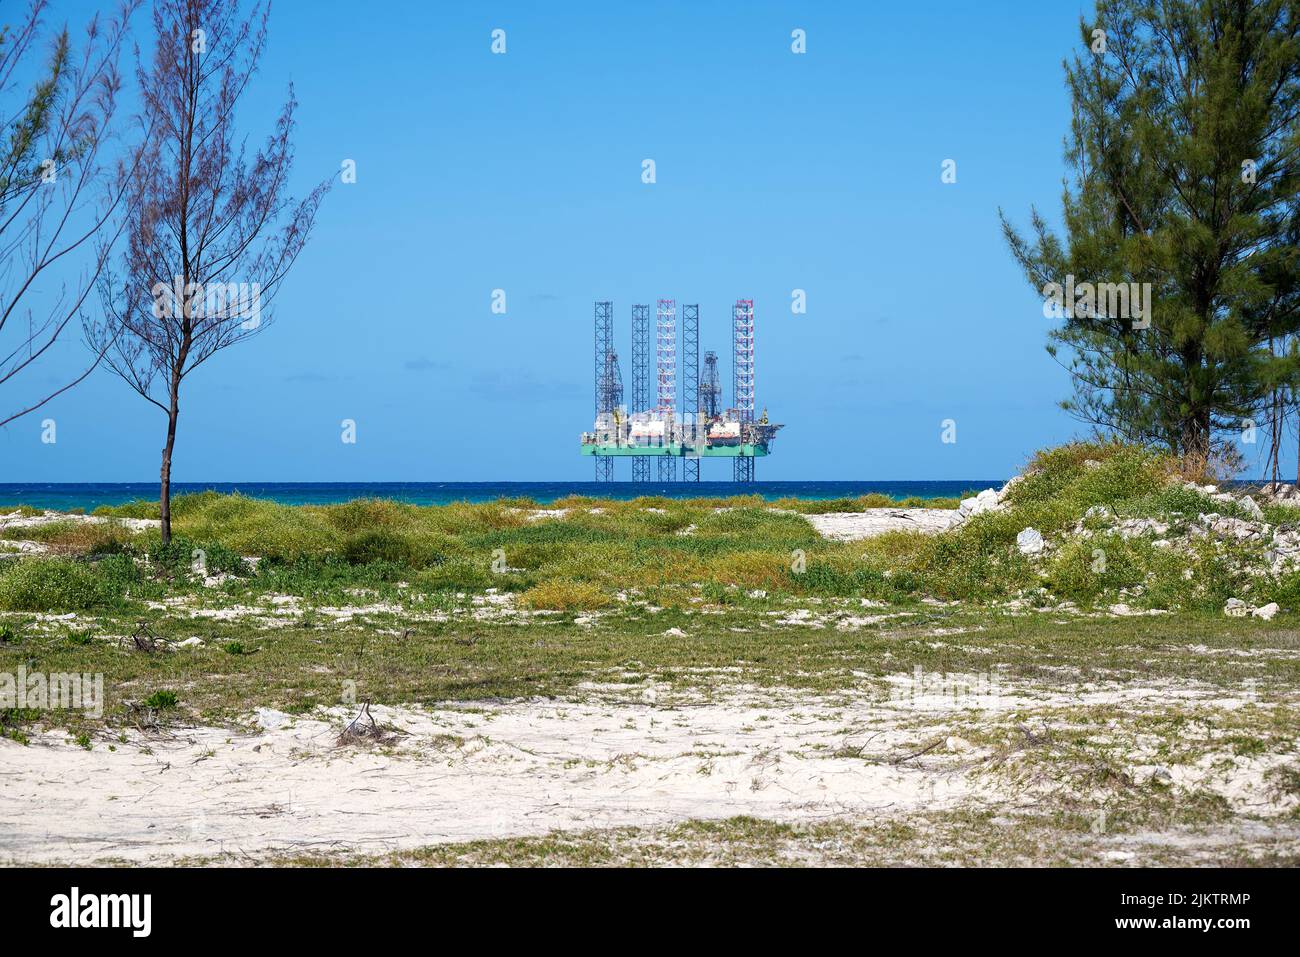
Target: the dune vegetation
(581, 552)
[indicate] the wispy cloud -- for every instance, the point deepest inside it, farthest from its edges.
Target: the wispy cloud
(522, 385)
(425, 365)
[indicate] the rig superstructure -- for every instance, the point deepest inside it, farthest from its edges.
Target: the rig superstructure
(690, 426)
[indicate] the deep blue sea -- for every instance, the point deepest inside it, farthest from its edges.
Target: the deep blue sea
(89, 495)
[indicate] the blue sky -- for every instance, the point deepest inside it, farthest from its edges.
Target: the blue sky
(522, 171)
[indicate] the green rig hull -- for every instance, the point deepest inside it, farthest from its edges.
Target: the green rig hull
(683, 451)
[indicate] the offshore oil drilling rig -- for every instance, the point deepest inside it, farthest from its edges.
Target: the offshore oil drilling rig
(669, 425)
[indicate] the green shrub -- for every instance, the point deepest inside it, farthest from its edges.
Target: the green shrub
(821, 506)
(913, 501)
(378, 545)
(329, 575)
(1070, 479)
(55, 584)
(179, 556)
(1286, 591)
(465, 574)
(826, 578)
(1091, 567)
(720, 594)
(368, 514)
(251, 526)
(164, 699)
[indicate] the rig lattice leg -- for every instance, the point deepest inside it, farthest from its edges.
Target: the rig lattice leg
(640, 468)
(667, 468)
(690, 469)
(744, 469)
(604, 469)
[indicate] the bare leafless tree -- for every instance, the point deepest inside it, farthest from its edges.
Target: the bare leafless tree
(62, 198)
(213, 232)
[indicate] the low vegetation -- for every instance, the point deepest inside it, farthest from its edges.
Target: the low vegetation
(579, 552)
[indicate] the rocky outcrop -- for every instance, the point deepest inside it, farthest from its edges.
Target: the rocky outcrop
(1283, 494)
(1236, 608)
(989, 500)
(985, 501)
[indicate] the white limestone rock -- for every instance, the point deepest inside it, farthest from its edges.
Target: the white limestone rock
(1030, 542)
(985, 501)
(1266, 611)
(1236, 608)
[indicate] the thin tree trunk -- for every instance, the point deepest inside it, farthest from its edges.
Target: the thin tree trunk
(165, 493)
(1275, 450)
(1271, 463)
(1274, 429)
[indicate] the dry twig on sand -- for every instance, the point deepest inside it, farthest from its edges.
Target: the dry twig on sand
(146, 641)
(364, 728)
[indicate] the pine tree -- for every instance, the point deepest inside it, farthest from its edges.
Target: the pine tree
(1183, 147)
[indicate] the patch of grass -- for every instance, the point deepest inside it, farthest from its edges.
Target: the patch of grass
(163, 700)
(13, 723)
(59, 585)
(565, 596)
(1283, 783)
(699, 601)
(250, 526)
(136, 508)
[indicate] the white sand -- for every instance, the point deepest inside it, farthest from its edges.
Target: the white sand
(851, 526)
(523, 768)
(18, 520)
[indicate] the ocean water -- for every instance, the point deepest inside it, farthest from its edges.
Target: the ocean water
(89, 495)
